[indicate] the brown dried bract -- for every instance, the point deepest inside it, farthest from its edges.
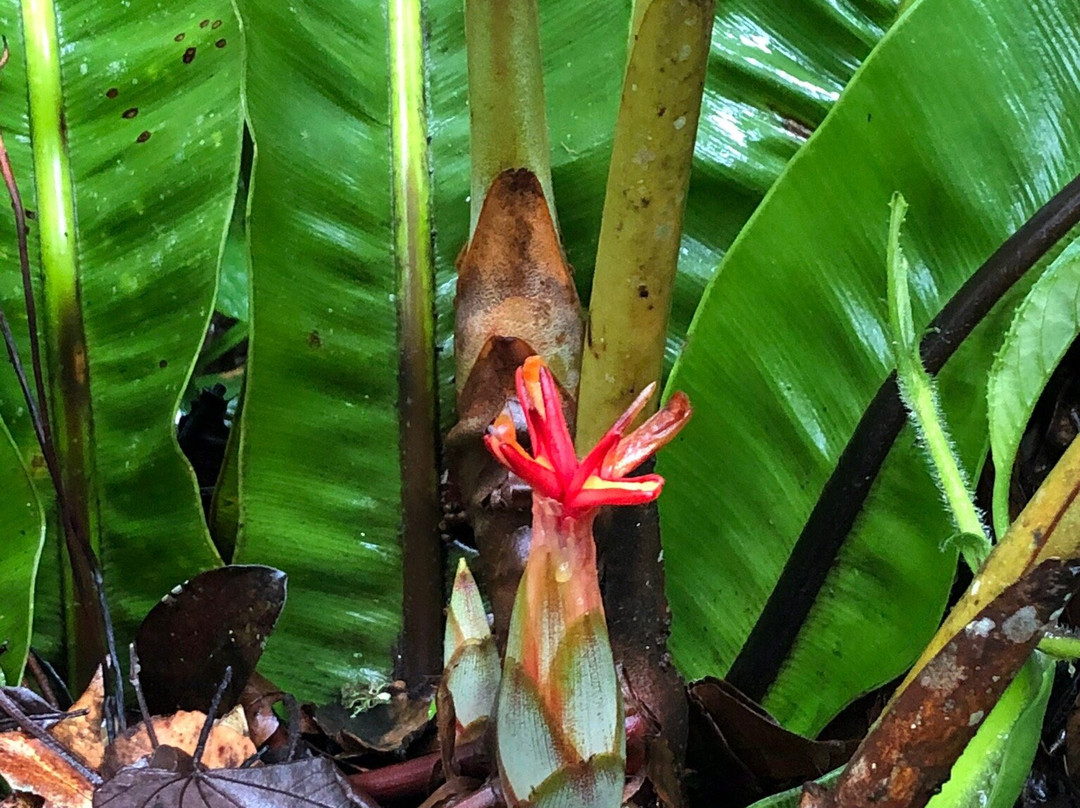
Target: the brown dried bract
(513, 281)
(84, 734)
(28, 765)
(744, 754)
(225, 749)
(910, 752)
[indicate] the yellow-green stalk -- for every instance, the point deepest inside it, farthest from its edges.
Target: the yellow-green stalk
(643, 208)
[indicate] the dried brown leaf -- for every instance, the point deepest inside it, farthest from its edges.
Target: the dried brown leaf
(84, 734)
(23, 799)
(225, 749)
(28, 765)
(513, 281)
(258, 699)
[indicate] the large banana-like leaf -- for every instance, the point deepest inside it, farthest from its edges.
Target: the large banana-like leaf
(124, 124)
(774, 72)
(22, 533)
(790, 343)
(319, 482)
(319, 464)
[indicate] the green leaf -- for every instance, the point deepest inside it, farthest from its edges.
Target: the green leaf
(232, 294)
(131, 191)
(792, 797)
(996, 763)
(791, 343)
(774, 72)
(22, 534)
(1046, 324)
(319, 480)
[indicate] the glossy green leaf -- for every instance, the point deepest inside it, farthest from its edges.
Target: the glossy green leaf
(150, 136)
(1046, 324)
(774, 72)
(996, 763)
(790, 344)
(22, 534)
(319, 480)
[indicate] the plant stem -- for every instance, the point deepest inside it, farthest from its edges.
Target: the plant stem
(507, 118)
(421, 641)
(71, 460)
(920, 394)
(638, 251)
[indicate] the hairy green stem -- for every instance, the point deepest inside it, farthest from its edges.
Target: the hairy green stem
(507, 119)
(638, 251)
(421, 643)
(920, 395)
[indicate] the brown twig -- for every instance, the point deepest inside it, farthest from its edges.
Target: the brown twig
(42, 680)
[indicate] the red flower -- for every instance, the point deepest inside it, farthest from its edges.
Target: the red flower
(553, 469)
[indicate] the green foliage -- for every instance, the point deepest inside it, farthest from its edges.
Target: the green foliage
(319, 486)
(920, 396)
(1046, 324)
(153, 144)
(791, 343)
(22, 533)
(992, 770)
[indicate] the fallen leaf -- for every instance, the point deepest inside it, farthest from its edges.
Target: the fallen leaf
(84, 734)
(258, 699)
(311, 783)
(28, 765)
(742, 754)
(225, 749)
(220, 618)
(386, 727)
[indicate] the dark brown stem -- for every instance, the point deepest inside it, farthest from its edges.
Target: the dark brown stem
(815, 551)
(415, 779)
(211, 714)
(42, 680)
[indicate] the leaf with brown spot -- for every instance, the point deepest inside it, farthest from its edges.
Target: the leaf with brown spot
(84, 734)
(911, 751)
(28, 765)
(220, 618)
(225, 749)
